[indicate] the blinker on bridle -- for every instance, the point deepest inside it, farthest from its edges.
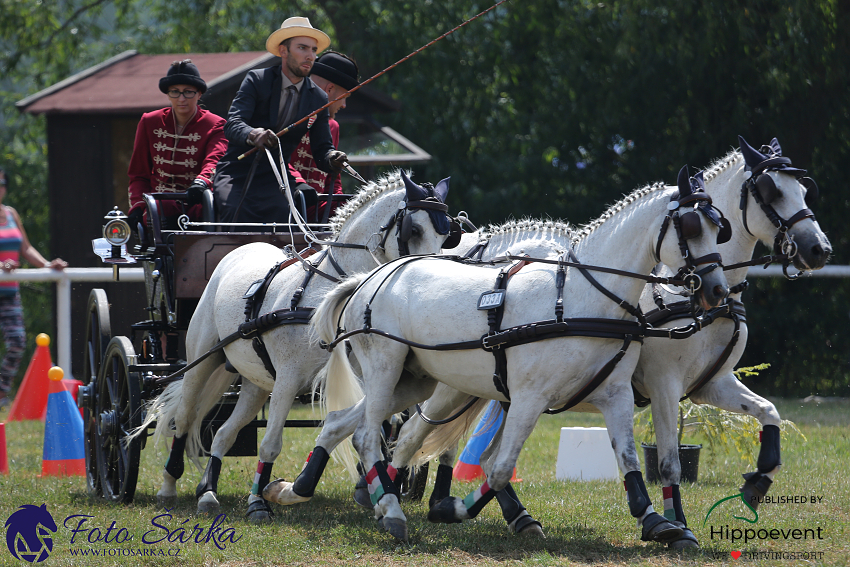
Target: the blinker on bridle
(688, 225)
(763, 188)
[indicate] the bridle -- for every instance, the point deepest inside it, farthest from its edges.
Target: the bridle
(688, 226)
(402, 219)
(761, 186)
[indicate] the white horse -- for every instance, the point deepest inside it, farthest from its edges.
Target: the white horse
(701, 365)
(421, 300)
(361, 240)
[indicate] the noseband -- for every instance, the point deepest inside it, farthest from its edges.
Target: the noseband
(764, 191)
(688, 226)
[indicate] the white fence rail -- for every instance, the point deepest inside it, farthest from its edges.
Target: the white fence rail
(64, 278)
(63, 281)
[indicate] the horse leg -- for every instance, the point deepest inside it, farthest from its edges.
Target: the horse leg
(250, 401)
(517, 426)
(382, 371)
(337, 426)
(665, 418)
(515, 514)
(286, 387)
(185, 417)
(727, 392)
(616, 403)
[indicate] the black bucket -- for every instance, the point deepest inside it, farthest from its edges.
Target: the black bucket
(688, 458)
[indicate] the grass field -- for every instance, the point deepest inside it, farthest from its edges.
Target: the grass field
(586, 523)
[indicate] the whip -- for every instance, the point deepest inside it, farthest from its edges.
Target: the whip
(347, 167)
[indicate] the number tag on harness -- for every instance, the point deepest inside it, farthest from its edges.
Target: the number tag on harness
(491, 299)
(253, 289)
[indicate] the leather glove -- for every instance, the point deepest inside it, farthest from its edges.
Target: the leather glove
(337, 159)
(136, 217)
(196, 192)
(262, 137)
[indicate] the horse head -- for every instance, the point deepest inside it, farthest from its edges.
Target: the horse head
(699, 227)
(785, 196)
(417, 216)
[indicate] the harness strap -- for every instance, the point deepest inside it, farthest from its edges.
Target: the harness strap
(594, 383)
(628, 307)
(732, 309)
(494, 318)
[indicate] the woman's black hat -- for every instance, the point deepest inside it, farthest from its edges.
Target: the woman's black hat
(182, 73)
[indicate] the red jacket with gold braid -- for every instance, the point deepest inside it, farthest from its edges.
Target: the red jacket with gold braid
(164, 162)
(303, 168)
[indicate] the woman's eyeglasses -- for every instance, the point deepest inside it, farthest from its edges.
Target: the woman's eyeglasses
(187, 94)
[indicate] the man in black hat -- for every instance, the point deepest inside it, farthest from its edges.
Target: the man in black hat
(267, 101)
(334, 73)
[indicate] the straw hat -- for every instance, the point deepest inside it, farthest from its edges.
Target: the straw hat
(295, 27)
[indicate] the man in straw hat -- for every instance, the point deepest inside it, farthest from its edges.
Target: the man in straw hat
(334, 73)
(269, 100)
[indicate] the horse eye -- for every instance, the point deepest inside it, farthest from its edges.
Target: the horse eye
(416, 232)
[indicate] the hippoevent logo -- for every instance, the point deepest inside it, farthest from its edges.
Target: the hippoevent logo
(754, 534)
(28, 533)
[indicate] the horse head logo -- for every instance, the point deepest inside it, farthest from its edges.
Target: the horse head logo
(28, 533)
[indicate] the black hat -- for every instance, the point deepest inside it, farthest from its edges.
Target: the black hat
(337, 68)
(182, 73)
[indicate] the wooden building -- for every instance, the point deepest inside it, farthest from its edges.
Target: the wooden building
(91, 124)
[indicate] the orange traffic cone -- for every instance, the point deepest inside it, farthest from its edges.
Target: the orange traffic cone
(31, 399)
(4, 459)
(468, 465)
(64, 451)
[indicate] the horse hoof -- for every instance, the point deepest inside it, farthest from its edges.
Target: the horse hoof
(281, 492)
(208, 503)
(362, 498)
(532, 530)
(396, 527)
(259, 512)
(657, 528)
(445, 511)
(166, 500)
(687, 541)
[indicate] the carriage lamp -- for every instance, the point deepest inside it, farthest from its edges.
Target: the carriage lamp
(116, 231)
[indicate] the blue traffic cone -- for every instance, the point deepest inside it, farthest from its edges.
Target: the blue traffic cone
(64, 451)
(468, 465)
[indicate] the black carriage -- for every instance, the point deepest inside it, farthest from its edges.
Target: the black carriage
(119, 377)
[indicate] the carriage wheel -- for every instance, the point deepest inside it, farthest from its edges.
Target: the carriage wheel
(98, 334)
(118, 410)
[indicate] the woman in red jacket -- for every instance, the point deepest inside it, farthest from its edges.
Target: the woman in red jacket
(176, 148)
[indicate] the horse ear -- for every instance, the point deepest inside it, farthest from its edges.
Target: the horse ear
(774, 144)
(684, 182)
(698, 183)
(441, 191)
(414, 191)
(752, 156)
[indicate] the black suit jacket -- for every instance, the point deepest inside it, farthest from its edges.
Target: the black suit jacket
(256, 106)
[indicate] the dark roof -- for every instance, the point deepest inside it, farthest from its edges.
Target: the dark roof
(129, 83)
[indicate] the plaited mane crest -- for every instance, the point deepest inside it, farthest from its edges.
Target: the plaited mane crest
(372, 190)
(722, 165)
(517, 227)
(614, 209)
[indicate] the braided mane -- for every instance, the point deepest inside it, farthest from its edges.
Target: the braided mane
(722, 164)
(616, 208)
(514, 227)
(368, 192)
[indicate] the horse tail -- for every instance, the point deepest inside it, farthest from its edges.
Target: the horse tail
(163, 409)
(337, 384)
(447, 436)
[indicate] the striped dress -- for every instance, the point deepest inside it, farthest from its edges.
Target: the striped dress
(10, 247)
(11, 312)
